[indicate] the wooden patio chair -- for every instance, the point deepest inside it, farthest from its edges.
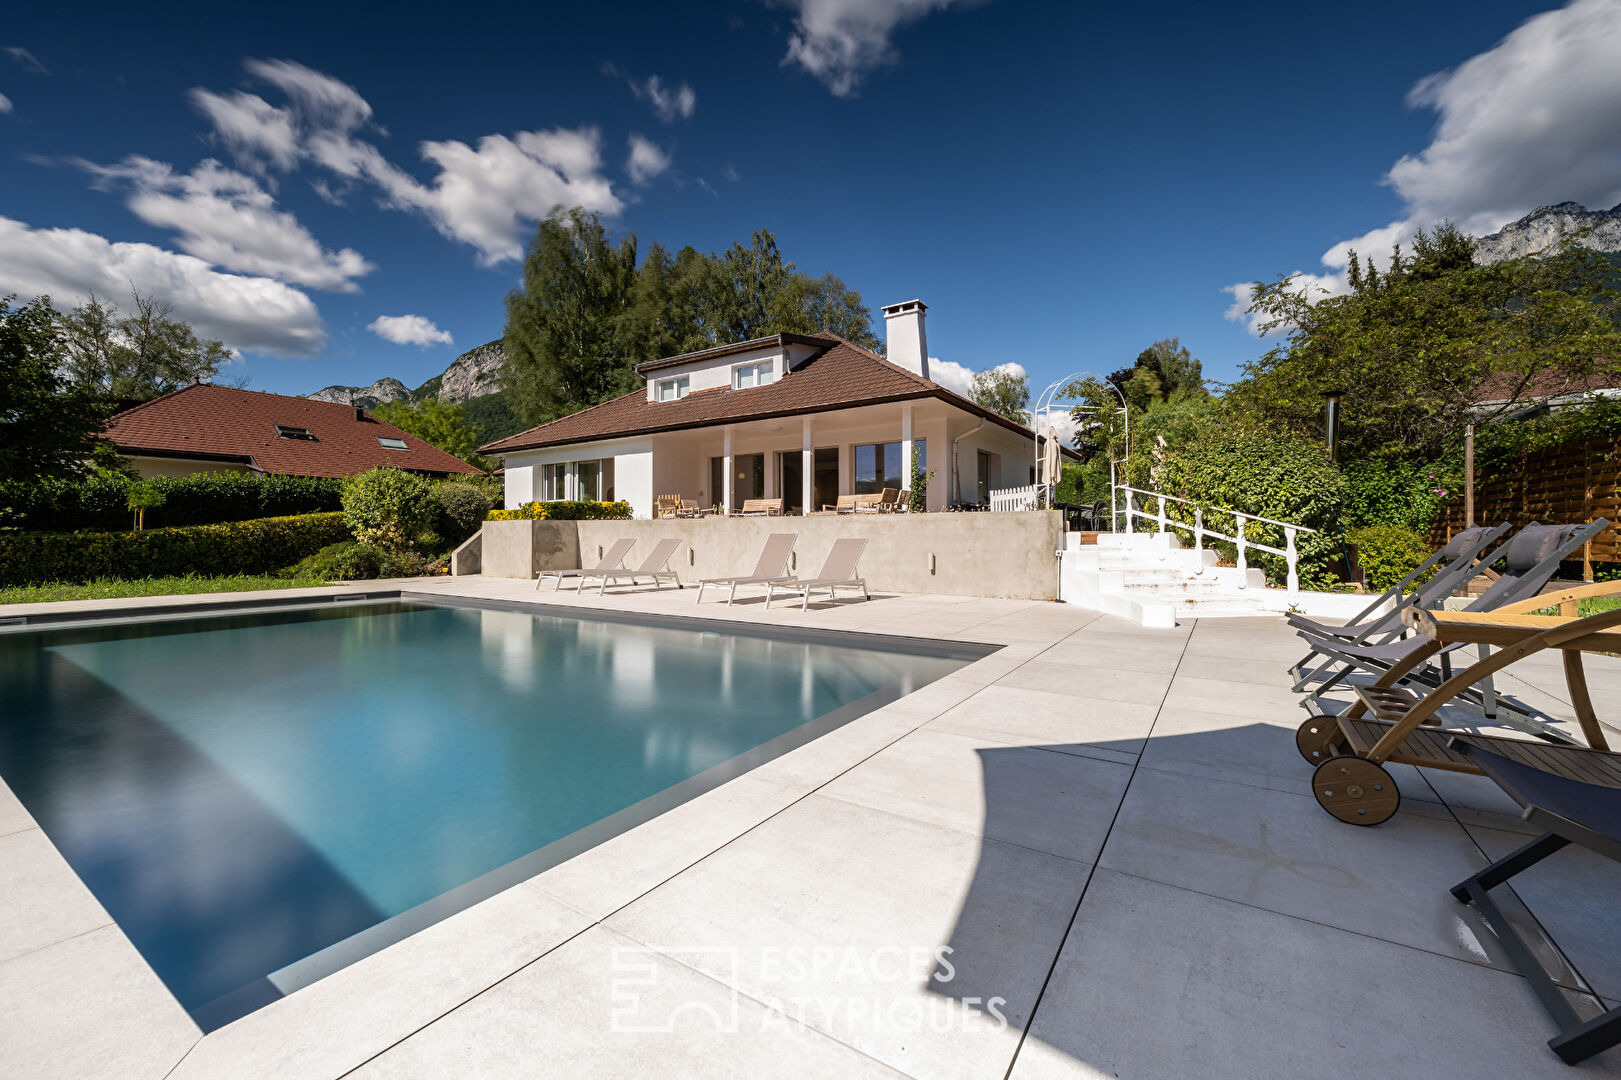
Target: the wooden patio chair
(666, 505)
(1388, 723)
(759, 508)
(903, 502)
(847, 504)
(882, 503)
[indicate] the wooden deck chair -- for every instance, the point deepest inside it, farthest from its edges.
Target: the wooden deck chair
(666, 506)
(1530, 561)
(655, 566)
(610, 561)
(1455, 565)
(772, 567)
(885, 501)
(847, 504)
(1569, 811)
(839, 571)
(1388, 723)
(760, 507)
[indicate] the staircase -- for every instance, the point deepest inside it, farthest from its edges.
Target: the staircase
(1153, 580)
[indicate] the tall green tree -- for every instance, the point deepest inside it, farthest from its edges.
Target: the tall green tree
(563, 342)
(1416, 347)
(48, 426)
(1004, 392)
(139, 354)
(437, 424)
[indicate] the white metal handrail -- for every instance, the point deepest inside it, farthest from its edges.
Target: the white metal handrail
(1290, 529)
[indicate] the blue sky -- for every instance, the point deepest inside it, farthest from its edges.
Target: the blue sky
(1061, 183)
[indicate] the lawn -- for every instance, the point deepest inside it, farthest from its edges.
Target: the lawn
(161, 586)
(1591, 606)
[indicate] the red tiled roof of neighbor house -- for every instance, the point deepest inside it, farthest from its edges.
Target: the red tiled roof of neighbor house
(841, 376)
(219, 423)
(1501, 385)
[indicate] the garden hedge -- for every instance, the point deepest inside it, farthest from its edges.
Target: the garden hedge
(100, 502)
(260, 546)
(564, 511)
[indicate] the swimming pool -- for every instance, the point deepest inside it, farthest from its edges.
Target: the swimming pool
(262, 797)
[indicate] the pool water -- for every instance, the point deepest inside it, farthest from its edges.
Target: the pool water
(247, 793)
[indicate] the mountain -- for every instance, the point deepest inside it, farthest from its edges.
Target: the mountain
(1541, 229)
(367, 397)
(473, 380)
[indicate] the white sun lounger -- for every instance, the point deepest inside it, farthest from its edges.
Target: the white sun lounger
(610, 561)
(838, 572)
(772, 568)
(655, 566)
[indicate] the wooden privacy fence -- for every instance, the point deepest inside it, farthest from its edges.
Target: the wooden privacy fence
(1576, 482)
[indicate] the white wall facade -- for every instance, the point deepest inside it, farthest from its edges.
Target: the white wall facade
(714, 373)
(632, 462)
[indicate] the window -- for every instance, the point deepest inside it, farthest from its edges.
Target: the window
(673, 389)
(553, 483)
(746, 375)
(388, 442)
(293, 431)
(879, 466)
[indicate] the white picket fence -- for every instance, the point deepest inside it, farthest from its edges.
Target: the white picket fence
(1029, 497)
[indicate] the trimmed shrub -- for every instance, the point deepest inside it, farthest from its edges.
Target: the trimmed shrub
(462, 509)
(350, 560)
(1385, 491)
(1276, 476)
(389, 507)
(1387, 553)
(261, 546)
(564, 511)
(101, 501)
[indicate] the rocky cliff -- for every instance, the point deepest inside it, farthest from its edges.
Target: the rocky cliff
(1540, 230)
(367, 397)
(474, 373)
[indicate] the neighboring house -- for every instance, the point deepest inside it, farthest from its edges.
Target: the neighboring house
(801, 418)
(1546, 388)
(207, 428)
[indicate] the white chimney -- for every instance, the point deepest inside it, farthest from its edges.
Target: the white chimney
(903, 328)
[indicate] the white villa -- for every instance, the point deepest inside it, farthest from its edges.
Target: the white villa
(801, 418)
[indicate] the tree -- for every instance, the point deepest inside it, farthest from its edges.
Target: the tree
(1003, 391)
(1164, 397)
(48, 427)
(141, 355)
(437, 424)
(1415, 348)
(564, 346)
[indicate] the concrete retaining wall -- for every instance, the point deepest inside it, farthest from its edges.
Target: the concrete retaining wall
(981, 554)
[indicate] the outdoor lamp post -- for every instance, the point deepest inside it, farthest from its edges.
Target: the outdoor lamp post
(1331, 424)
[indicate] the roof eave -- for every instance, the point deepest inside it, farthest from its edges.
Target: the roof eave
(727, 350)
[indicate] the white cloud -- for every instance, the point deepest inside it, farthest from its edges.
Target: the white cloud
(408, 330)
(1535, 120)
(959, 378)
(245, 312)
(24, 59)
(841, 41)
(5, 104)
(226, 218)
(646, 160)
(671, 104)
(486, 196)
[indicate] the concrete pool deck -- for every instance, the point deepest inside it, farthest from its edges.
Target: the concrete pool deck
(1108, 827)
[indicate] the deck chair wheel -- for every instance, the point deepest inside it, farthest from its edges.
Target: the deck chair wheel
(1317, 739)
(1355, 790)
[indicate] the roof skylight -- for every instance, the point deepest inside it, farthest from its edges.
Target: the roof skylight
(294, 431)
(388, 442)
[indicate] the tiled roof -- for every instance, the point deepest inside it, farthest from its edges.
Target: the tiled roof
(1500, 386)
(842, 376)
(217, 422)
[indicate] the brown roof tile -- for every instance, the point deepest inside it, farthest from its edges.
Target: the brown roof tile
(219, 422)
(842, 376)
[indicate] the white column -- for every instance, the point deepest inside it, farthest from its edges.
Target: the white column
(726, 469)
(807, 467)
(906, 446)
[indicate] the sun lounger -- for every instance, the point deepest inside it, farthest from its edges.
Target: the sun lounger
(772, 567)
(610, 561)
(1530, 561)
(1382, 617)
(839, 571)
(1388, 723)
(1570, 810)
(655, 566)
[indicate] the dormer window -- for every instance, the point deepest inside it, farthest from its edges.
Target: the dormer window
(673, 389)
(293, 431)
(388, 442)
(746, 375)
